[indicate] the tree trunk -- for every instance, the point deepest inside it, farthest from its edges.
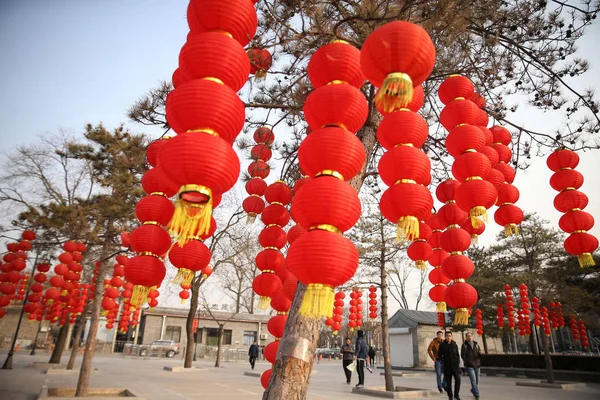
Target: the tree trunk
(189, 328)
(547, 358)
(291, 371)
(37, 334)
(86, 364)
(219, 344)
(79, 330)
(385, 338)
(59, 347)
(238, 296)
(484, 341)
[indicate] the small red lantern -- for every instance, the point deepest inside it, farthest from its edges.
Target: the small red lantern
(260, 62)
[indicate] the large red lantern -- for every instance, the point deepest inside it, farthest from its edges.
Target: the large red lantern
(396, 57)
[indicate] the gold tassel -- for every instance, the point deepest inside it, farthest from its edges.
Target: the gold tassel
(139, 295)
(478, 215)
(408, 229)
(396, 92)
(263, 302)
(461, 317)
(184, 277)
(182, 301)
(511, 229)
(420, 264)
(474, 239)
(440, 306)
(191, 219)
(260, 75)
(104, 313)
(251, 218)
(318, 301)
(586, 260)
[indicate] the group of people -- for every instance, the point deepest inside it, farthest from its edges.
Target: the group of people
(444, 353)
(359, 354)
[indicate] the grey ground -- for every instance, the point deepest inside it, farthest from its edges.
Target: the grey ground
(148, 379)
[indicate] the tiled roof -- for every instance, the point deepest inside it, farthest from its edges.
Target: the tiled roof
(412, 318)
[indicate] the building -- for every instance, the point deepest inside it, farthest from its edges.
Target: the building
(240, 329)
(411, 332)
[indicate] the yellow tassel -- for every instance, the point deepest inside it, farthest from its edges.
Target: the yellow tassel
(139, 295)
(478, 216)
(264, 302)
(511, 229)
(191, 219)
(335, 333)
(251, 218)
(104, 313)
(260, 75)
(318, 301)
(474, 239)
(408, 229)
(184, 277)
(440, 306)
(182, 301)
(396, 92)
(461, 317)
(586, 260)
(420, 264)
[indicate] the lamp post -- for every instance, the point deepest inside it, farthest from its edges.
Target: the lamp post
(11, 352)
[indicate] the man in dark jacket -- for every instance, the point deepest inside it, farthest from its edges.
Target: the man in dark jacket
(471, 355)
(360, 353)
(253, 354)
(448, 353)
(347, 358)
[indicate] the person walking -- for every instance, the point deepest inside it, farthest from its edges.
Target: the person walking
(360, 354)
(433, 350)
(448, 353)
(471, 354)
(347, 358)
(372, 355)
(253, 354)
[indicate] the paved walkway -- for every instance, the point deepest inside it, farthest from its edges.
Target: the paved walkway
(148, 379)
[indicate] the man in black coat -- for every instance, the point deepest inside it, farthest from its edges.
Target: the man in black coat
(471, 354)
(253, 354)
(448, 353)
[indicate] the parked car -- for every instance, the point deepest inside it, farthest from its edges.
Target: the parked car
(167, 347)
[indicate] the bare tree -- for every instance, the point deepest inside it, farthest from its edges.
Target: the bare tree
(223, 252)
(399, 276)
(221, 321)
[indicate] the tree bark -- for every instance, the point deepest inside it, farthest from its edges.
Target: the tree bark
(189, 327)
(547, 359)
(79, 329)
(86, 364)
(219, 344)
(385, 338)
(291, 371)
(59, 347)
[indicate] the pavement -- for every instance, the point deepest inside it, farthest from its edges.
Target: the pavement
(148, 379)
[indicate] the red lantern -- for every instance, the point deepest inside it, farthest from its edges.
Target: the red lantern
(461, 296)
(582, 245)
(212, 55)
(265, 377)
(320, 112)
(402, 127)
(331, 148)
(406, 204)
(236, 18)
(253, 205)
(396, 57)
(267, 286)
(260, 62)
(455, 86)
(475, 197)
(144, 272)
(337, 60)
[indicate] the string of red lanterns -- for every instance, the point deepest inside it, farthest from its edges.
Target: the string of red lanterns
(330, 155)
(570, 201)
(479, 321)
(259, 169)
(205, 111)
(373, 303)
(438, 255)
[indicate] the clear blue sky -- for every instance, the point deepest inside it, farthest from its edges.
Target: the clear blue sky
(67, 62)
